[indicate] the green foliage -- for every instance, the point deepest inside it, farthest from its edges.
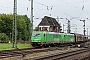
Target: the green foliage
(23, 26)
(4, 37)
(36, 28)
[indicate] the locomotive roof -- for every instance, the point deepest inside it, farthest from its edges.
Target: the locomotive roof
(46, 32)
(52, 32)
(68, 34)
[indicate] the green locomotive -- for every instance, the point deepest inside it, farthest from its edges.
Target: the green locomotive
(51, 38)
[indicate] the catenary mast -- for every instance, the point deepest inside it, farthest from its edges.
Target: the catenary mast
(32, 15)
(14, 32)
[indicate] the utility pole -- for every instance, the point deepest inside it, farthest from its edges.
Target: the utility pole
(63, 27)
(83, 26)
(31, 16)
(68, 31)
(75, 28)
(87, 31)
(14, 32)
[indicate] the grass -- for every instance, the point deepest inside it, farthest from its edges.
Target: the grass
(9, 46)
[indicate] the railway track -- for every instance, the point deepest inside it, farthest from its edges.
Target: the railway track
(69, 55)
(17, 52)
(12, 53)
(24, 52)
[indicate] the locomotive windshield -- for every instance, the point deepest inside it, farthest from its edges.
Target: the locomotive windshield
(36, 34)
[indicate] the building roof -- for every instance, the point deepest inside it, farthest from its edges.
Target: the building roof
(49, 21)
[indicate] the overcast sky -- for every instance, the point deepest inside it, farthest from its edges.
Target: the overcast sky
(77, 9)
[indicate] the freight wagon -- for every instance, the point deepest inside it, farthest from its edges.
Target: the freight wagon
(41, 38)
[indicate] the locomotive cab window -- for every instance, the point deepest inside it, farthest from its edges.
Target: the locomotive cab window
(36, 34)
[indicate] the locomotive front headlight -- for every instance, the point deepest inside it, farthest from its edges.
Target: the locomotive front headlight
(35, 37)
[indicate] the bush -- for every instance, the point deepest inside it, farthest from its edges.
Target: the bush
(4, 37)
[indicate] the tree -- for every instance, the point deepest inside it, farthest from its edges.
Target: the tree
(36, 28)
(4, 37)
(23, 26)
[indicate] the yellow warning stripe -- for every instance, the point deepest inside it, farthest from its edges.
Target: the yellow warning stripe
(6, 59)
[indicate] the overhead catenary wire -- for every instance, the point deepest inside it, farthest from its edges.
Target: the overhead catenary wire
(53, 8)
(50, 6)
(82, 8)
(58, 10)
